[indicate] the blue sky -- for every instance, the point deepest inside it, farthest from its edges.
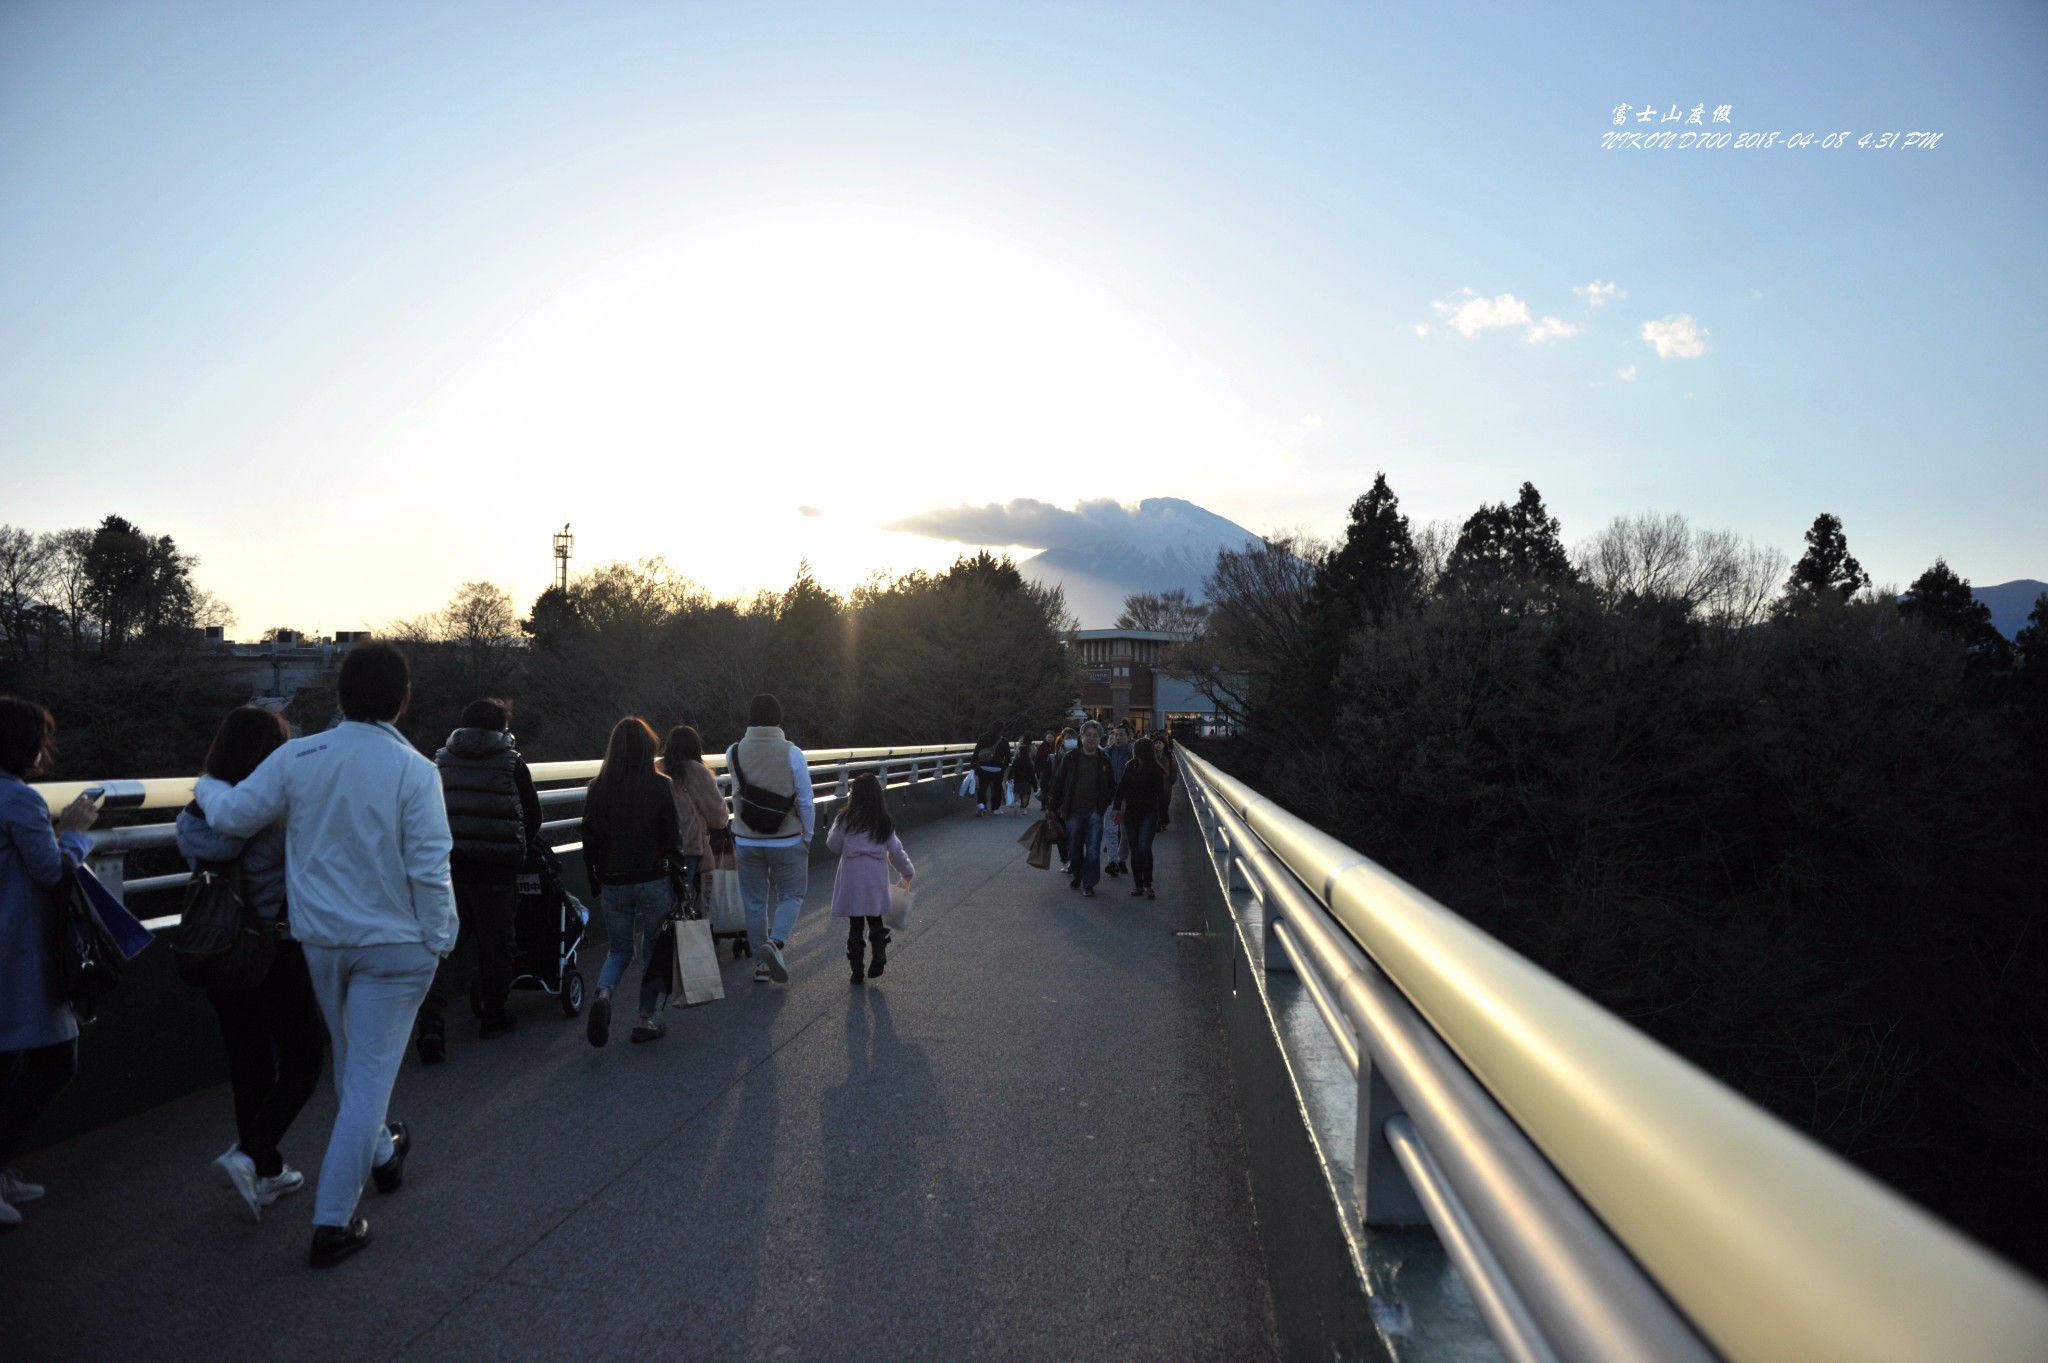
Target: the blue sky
(360, 303)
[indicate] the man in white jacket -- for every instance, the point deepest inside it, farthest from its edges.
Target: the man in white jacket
(368, 896)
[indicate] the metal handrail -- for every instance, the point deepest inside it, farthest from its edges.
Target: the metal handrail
(918, 765)
(1555, 1125)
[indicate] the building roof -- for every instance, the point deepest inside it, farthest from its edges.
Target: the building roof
(1164, 636)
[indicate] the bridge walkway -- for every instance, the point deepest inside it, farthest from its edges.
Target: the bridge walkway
(1021, 1143)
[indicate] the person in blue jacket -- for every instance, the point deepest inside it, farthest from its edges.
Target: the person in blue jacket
(38, 1033)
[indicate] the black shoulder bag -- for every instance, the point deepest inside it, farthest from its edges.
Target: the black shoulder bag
(761, 810)
(222, 942)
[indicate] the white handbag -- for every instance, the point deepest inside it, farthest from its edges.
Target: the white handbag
(901, 900)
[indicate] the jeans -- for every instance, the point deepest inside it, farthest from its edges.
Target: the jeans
(273, 1039)
(1141, 829)
(1084, 846)
(369, 996)
(621, 904)
(484, 912)
(790, 869)
(28, 1081)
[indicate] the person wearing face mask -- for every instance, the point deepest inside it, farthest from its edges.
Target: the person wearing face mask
(1081, 793)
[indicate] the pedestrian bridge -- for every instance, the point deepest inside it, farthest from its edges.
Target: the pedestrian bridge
(1291, 1108)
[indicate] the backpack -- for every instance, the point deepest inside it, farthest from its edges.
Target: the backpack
(222, 943)
(88, 958)
(761, 810)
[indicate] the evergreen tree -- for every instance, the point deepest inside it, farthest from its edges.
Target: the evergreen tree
(1945, 603)
(1375, 567)
(1500, 545)
(2030, 645)
(1826, 574)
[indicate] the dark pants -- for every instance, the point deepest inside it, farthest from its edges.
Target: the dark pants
(988, 789)
(1140, 829)
(28, 1081)
(483, 911)
(273, 1037)
(1084, 847)
(1023, 784)
(878, 933)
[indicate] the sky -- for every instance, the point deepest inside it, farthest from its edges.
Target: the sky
(362, 301)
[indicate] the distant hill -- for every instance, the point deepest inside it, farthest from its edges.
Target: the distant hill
(1166, 543)
(2010, 602)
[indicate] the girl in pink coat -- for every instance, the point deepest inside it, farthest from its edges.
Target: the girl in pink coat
(865, 838)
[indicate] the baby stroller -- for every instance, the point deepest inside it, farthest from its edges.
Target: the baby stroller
(547, 928)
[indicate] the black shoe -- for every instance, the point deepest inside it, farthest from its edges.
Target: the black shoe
(390, 1174)
(433, 1048)
(332, 1244)
(496, 1027)
(1137, 892)
(881, 959)
(1087, 894)
(858, 974)
(599, 1029)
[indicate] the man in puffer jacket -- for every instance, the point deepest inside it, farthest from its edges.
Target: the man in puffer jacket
(493, 816)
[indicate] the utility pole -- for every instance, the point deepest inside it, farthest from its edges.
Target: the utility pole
(564, 543)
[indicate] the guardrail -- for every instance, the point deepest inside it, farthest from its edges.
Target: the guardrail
(1602, 1198)
(832, 769)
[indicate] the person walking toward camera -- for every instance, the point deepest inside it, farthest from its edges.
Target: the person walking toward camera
(1080, 796)
(494, 817)
(1140, 796)
(865, 838)
(366, 875)
(632, 848)
(272, 1029)
(38, 1032)
(775, 819)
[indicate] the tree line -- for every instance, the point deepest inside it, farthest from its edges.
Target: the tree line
(1790, 825)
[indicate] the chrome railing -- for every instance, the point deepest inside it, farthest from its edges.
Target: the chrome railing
(1602, 1198)
(832, 770)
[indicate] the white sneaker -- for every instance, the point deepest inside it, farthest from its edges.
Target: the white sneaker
(8, 1216)
(15, 1188)
(777, 971)
(287, 1180)
(241, 1172)
(761, 975)
(220, 1167)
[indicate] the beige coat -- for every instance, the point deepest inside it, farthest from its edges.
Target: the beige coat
(699, 806)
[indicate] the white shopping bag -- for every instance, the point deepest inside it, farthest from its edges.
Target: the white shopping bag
(901, 900)
(697, 975)
(724, 909)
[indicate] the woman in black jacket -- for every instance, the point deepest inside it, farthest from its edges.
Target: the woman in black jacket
(1140, 800)
(632, 843)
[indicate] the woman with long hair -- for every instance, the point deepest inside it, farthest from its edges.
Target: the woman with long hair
(1140, 796)
(632, 841)
(865, 838)
(701, 814)
(1023, 772)
(38, 1033)
(272, 1030)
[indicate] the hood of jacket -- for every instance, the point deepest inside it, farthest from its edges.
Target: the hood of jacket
(476, 743)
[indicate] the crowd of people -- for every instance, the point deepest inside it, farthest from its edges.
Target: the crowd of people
(370, 864)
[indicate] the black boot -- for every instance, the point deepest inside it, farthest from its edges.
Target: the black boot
(855, 951)
(881, 941)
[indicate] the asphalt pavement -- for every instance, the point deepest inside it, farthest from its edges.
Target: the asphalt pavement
(1020, 1143)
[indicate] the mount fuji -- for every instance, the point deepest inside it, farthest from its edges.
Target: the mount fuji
(1160, 544)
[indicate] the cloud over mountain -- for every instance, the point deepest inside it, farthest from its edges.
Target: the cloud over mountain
(1041, 525)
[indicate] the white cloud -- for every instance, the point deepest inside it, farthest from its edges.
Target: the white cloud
(1677, 337)
(1627, 373)
(1422, 328)
(1551, 329)
(1469, 314)
(1597, 293)
(1312, 422)
(810, 511)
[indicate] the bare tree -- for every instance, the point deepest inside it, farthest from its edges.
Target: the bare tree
(1171, 611)
(24, 580)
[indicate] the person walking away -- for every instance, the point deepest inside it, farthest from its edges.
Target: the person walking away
(865, 838)
(632, 844)
(1118, 750)
(776, 819)
(1139, 797)
(494, 818)
(38, 1032)
(991, 760)
(700, 810)
(1024, 772)
(366, 877)
(272, 1029)
(1081, 794)
(1041, 764)
(1171, 766)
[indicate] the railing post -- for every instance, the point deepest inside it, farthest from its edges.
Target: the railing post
(107, 866)
(1378, 1183)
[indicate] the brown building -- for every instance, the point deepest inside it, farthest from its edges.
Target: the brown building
(1122, 679)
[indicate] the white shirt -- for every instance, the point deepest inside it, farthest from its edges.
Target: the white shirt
(366, 839)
